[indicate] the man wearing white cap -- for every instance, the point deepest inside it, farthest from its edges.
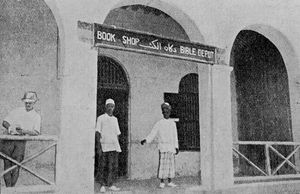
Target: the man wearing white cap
(166, 131)
(108, 130)
(20, 121)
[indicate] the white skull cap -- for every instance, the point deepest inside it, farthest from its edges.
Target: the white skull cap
(166, 104)
(109, 101)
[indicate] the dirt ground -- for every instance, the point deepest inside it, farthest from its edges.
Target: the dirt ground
(151, 185)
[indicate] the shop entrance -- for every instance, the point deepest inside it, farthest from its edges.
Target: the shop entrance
(112, 83)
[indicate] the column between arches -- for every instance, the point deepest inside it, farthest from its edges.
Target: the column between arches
(215, 127)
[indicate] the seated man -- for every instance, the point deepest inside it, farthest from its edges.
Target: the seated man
(20, 121)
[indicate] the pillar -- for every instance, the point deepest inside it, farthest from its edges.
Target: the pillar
(75, 162)
(215, 127)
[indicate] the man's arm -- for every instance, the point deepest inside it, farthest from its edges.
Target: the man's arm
(151, 135)
(98, 135)
(10, 130)
(176, 139)
(97, 141)
(27, 132)
(118, 132)
(175, 136)
(5, 124)
(36, 128)
(98, 129)
(8, 122)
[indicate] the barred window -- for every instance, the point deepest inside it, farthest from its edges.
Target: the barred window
(185, 106)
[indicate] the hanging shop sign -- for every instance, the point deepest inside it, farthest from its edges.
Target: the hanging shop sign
(106, 36)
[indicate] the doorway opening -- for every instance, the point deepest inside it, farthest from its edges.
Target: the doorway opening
(113, 83)
(262, 97)
(185, 107)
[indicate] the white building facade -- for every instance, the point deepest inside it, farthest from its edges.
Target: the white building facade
(68, 65)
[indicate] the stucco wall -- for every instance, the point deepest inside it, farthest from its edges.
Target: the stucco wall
(28, 59)
(218, 21)
(149, 77)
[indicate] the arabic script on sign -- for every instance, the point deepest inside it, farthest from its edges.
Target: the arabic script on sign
(152, 45)
(170, 48)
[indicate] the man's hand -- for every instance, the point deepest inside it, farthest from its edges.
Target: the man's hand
(26, 132)
(143, 141)
(177, 151)
(20, 131)
(12, 131)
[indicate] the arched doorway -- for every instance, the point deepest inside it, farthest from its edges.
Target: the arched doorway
(29, 59)
(188, 125)
(146, 71)
(262, 95)
(174, 12)
(133, 17)
(113, 83)
(185, 107)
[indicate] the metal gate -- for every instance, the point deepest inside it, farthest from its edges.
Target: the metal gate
(112, 83)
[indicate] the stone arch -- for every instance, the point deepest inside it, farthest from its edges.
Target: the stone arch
(282, 43)
(61, 33)
(253, 114)
(120, 64)
(187, 83)
(36, 64)
(177, 14)
(31, 55)
(291, 62)
(188, 125)
(113, 83)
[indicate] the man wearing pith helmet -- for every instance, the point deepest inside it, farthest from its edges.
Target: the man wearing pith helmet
(20, 121)
(107, 129)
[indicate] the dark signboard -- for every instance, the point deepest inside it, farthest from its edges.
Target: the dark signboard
(148, 43)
